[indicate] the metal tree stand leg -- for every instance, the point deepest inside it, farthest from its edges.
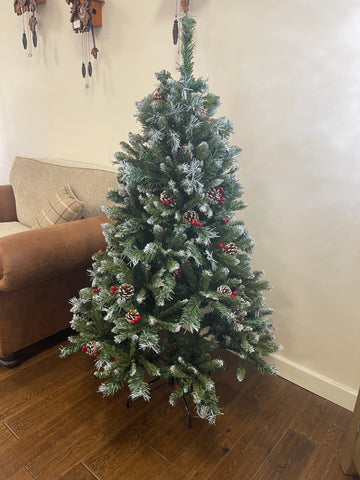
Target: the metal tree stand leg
(171, 382)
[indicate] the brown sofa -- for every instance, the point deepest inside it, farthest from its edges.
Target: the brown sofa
(42, 268)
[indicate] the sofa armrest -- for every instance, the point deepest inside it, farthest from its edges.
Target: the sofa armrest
(7, 204)
(38, 255)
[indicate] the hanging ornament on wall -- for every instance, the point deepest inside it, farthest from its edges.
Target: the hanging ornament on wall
(185, 5)
(175, 31)
(84, 16)
(27, 9)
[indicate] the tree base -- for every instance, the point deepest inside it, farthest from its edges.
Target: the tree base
(171, 382)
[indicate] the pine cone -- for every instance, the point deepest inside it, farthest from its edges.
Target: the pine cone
(91, 348)
(232, 249)
(213, 196)
(190, 216)
(132, 316)
(166, 199)
(224, 289)
(126, 290)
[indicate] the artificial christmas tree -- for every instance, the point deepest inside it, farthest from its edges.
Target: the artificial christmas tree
(175, 286)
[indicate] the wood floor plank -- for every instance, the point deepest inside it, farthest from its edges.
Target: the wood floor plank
(318, 417)
(23, 474)
(275, 404)
(77, 427)
(79, 472)
(35, 417)
(232, 399)
(8, 441)
(288, 460)
(30, 380)
(165, 423)
(138, 460)
(6, 437)
(325, 461)
(325, 424)
(134, 446)
(212, 445)
(342, 416)
(91, 424)
(67, 431)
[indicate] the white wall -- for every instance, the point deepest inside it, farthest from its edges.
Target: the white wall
(288, 73)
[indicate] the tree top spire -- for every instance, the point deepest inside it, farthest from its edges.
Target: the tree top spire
(187, 46)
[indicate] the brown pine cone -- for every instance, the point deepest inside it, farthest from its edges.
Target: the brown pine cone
(190, 216)
(213, 196)
(231, 249)
(224, 289)
(126, 290)
(91, 348)
(132, 316)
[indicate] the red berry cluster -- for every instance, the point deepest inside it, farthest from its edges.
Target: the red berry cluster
(234, 294)
(178, 273)
(197, 223)
(220, 193)
(239, 320)
(168, 202)
(157, 95)
(100, 251)
(225, 220)
(225, 247)
(96, 290)
(136, 319)
(113, 290)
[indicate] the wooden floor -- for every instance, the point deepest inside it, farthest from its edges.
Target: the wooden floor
(54, 426)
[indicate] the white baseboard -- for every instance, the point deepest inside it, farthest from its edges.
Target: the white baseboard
(315, 382)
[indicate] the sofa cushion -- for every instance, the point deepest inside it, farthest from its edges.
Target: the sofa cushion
(61, 208)
(8, 228)
(34, 181)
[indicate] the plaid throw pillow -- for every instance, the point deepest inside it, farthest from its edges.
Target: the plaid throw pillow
(64, 207)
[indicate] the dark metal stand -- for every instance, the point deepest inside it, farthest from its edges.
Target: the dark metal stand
(171, 382)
